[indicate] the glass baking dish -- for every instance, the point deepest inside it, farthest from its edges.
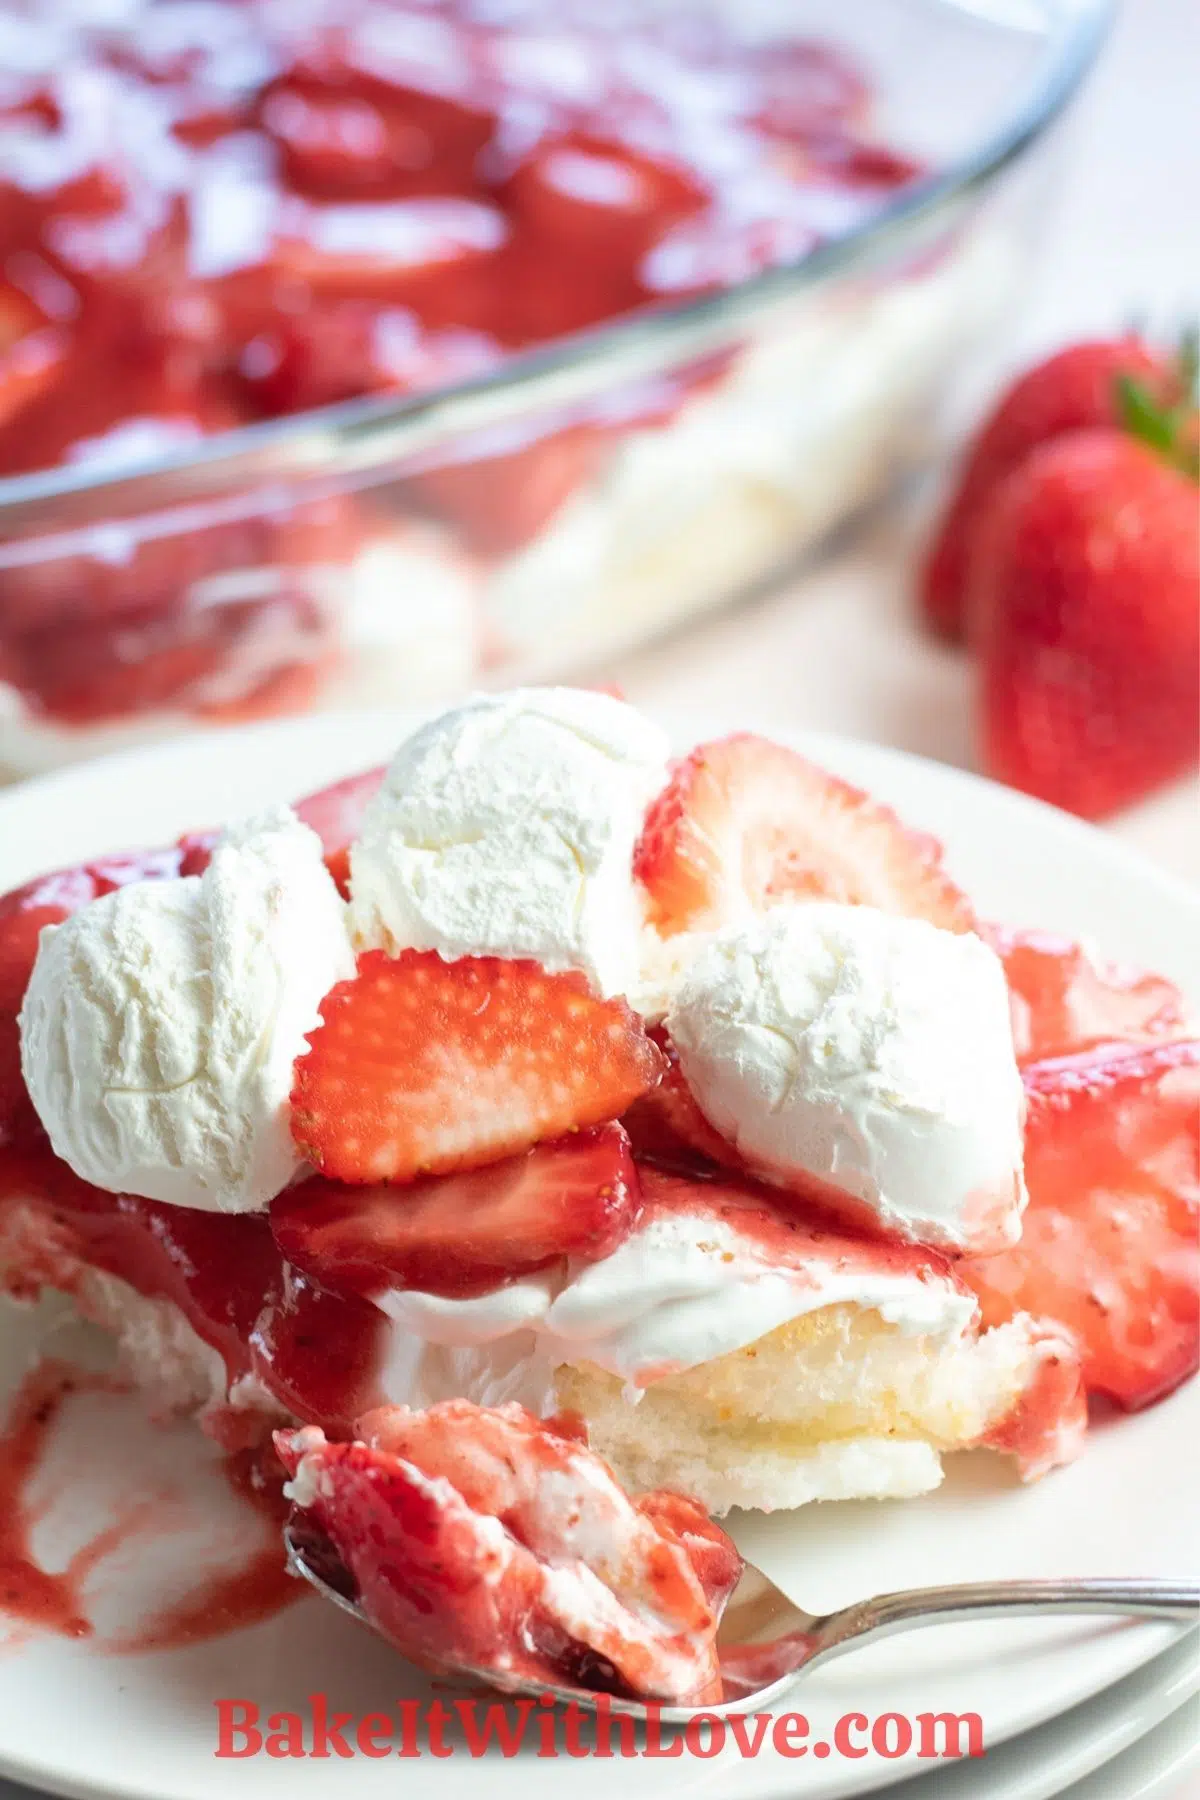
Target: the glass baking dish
(533, 521)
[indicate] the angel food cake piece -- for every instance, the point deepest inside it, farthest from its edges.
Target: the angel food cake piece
(503, 1183)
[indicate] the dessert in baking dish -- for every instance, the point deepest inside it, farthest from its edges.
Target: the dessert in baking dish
(225, 213)
(537, 1069)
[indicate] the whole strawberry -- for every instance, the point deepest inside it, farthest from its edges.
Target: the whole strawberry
(1071, 391)
(1084, 601)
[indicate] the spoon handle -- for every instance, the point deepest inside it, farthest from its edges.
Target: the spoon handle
(1146, 1599)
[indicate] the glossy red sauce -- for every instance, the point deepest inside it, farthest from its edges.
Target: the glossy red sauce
(214, 215)
(230, 1599)
(49, 1600)
(55, 1600)
(316, 1353)
(515, 178)
(800, 1240)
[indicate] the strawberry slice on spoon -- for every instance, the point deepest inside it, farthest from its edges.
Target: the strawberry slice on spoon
(484, 1537)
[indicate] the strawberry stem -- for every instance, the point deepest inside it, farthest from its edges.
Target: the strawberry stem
(1167, 425)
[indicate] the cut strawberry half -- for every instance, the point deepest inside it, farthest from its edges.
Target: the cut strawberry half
(599, 198)
(1109, 1248)
(465, 1234)
(422, 1067)
(1064, 1001)
(336, 813)
(484, 1537)
(744, 823)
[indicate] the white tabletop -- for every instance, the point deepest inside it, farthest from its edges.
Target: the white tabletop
(839, 648)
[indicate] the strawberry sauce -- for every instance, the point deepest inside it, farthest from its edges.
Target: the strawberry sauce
(231, 1599)
(315, 1352)
(56, 1601)
(28, 1592)
(215, 215)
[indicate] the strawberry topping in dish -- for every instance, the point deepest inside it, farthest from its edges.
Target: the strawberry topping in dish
(489, 1539)
(780, 1200)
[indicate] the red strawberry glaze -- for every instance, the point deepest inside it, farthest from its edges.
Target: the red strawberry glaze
(229, 1599)
(786, 1239)
(56, 1601)
(579, 160)
(1064, 1000)
(315, 1353)
(28, 1592)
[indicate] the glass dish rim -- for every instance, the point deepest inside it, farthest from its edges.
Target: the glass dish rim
(335, 442)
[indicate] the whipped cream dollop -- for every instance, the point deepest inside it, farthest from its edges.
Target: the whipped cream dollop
(506, 827)
(869, 1052)
(683, 1288)
(161, 1022)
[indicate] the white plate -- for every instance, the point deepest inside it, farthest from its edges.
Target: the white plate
(1116, 1740)
(145, 1726)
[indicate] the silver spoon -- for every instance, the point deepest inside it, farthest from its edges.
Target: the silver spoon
(765, 1641)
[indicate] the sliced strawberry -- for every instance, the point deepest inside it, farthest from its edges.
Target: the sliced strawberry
(33, 350)
(336, 813)
(465, 1234)
(600, 199)
(426, 253)
(1064, 1001)
(745, 822)
(1109, 1248)
(427, 1572)
(711, 1553)
(421, 1067)
(338, 349)
(319, 1354)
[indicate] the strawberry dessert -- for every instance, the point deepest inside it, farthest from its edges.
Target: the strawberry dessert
(218, 215)
(537, 1075)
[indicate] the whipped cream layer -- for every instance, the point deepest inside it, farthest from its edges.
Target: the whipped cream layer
(161, 1022)
(683, 1288)
(871, 1053)
(506, 827)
